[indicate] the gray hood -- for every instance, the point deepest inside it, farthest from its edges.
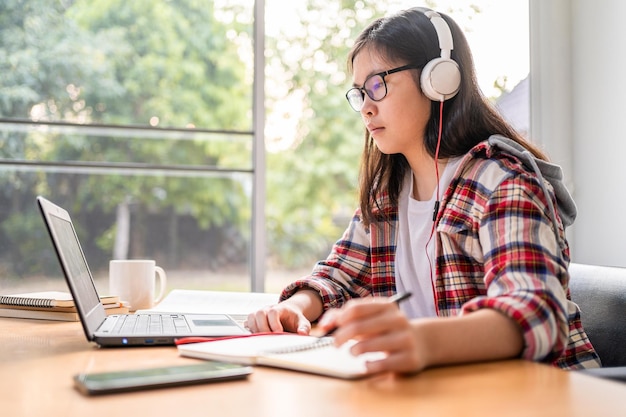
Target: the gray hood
(552, 173)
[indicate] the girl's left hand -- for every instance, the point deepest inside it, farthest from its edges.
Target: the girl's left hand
(377, 324)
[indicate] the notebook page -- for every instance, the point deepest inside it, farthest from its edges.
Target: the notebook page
(324, 359)
(242, 350)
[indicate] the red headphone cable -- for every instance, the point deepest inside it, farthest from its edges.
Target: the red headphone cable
(436, 209)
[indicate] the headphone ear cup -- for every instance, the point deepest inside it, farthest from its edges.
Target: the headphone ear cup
(440, 79)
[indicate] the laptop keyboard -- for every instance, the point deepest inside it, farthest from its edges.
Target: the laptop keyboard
(150, 324)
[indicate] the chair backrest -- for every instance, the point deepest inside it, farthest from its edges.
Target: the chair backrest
(600, 292)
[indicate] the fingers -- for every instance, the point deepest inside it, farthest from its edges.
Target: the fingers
(262, 321)
(361, 320)
(265, 320)
(391, 342)
(404, 354)
(377, 326)
(353, 311)
(273, 319)
(405, 362)
(304, 327)
(328, 321)
(278, 318)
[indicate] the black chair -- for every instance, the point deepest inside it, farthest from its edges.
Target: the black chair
(600, 292)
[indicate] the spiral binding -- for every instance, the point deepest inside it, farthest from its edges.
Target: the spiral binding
(319, 343)
(26, 302)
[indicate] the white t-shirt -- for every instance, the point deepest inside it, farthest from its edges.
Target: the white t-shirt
(415, 252)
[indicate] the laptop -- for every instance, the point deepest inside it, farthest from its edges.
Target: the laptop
(122, 329)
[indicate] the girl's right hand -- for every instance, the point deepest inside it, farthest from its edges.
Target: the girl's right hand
(281, 317)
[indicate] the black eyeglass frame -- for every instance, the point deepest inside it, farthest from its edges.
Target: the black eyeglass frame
(382, 75)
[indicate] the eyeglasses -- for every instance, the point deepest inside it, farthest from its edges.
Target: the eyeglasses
(374, 86)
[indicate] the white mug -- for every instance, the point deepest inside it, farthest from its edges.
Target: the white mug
(134, 281)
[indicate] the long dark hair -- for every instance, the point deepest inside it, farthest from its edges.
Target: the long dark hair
(468, 118)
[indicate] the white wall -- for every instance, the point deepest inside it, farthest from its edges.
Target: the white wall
(578, 112)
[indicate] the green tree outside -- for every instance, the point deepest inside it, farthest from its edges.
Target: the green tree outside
(180, 67)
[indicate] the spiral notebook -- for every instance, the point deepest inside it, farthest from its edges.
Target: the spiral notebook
(51, 305)
(287, 351)
(48, 299)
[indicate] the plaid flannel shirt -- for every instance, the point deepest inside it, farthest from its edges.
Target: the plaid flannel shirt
(497, 248)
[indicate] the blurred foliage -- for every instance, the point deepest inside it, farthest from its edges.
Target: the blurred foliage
(184, 64)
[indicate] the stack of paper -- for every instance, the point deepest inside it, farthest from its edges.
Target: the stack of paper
(235, 304)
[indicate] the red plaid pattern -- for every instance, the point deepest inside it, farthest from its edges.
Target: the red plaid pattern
(496, 248)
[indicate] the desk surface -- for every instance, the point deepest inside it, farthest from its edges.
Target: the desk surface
(39, 358)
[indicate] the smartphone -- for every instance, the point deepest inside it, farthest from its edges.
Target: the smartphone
(149, 378)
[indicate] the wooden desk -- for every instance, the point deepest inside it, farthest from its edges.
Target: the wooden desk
(39, 358)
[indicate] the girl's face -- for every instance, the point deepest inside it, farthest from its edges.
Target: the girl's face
(397, 122)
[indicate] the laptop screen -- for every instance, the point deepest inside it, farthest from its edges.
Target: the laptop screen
(74, 265)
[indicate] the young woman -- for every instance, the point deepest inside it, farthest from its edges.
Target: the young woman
(455, 208)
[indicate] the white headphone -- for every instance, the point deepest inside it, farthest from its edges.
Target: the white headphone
(441, 77)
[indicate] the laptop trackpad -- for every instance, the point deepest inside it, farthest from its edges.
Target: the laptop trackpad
(214, 324)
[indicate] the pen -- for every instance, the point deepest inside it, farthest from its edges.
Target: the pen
(396, 298)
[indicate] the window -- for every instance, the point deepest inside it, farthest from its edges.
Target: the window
(144, 135)
(144, 119)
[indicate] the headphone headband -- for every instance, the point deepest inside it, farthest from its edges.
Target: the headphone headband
(443, 33)
(441, 77)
